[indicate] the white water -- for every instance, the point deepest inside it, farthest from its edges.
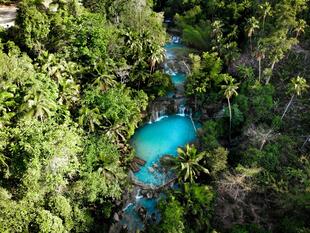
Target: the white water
(127, 206)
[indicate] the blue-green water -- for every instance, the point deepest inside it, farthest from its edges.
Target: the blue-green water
(171, 49)
(152, 141)
(132, 219)
(178, 79)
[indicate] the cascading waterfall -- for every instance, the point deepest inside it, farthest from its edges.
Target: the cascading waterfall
(157, 115)
(181, 110)
(138, 195)
(170, 126)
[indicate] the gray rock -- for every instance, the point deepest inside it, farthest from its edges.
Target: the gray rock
(142, 213)
(116, 217)
(149, 195)
(151, 170)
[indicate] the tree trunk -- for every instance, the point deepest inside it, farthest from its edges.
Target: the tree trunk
(229, 108)
(287, 106)
(272, 67)
(259, 69)
(251, 44)
(264, 140)
(264, 23)
(305, 143)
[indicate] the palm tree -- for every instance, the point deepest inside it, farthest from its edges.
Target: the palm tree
(300, 28)
(260, 135)
(230, 52)
(38, 105)
(217, 34)
(297, 87)
(246, 72)
(90, 117)
(4, 167)
(68, 92)
(252, 25)
(104, 82)
(157, 56)
(266, 10)
(187, 164)
(260, 54)
(217, 29)
(230, 89)
(7, 103)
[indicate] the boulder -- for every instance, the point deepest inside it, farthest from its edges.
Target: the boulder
(149, 195)
(142, 213)
(153, 217)
(151, 169)
(116, 217)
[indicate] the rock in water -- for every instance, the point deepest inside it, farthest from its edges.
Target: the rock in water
(149, 195)
(151, 170)
(116, 217)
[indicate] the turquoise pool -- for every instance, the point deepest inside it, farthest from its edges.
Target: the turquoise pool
(152, 141)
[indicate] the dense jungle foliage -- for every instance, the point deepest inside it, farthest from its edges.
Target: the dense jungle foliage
(75, 82)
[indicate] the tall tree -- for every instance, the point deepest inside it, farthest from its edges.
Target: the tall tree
(230, 89)
(39, 102)
(260, 55)
(157, 56)
(90, 117)
(252, 25)
(297, 86)
(266, 10)
(300, 27)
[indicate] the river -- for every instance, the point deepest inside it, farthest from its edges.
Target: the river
(161, 136)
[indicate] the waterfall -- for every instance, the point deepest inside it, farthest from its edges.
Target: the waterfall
(138, 196)
(168, 70)
(181, 110)
(130, 204)
(157, 115)
(176, 39)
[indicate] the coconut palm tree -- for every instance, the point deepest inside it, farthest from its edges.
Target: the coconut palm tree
(230, 89)
(245, 72)
(157, 56)
(187, 165)
(300, 28)
(252, 25)
(90, 118)
(38, 104)
(7, 103)
(104, 82)
(4, 167)
(260, 54)
(297, 87)
(69, 92)
(217, 29)
(266, 10)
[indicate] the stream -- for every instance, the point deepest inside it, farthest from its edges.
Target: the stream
(165, 132)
